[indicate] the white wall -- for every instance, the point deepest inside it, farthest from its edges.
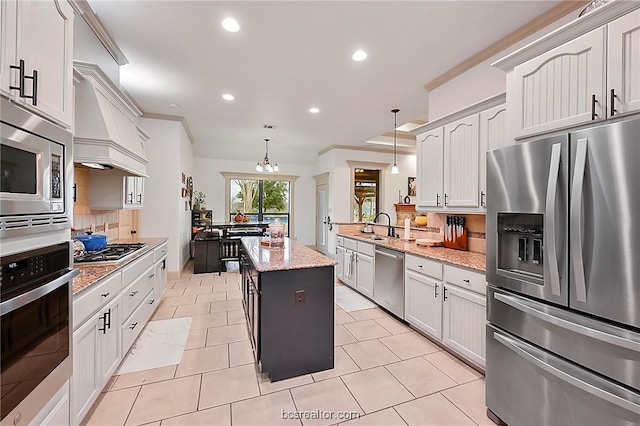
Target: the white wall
(87, 48)
(169, 153)
(207, 178)
(482, 81)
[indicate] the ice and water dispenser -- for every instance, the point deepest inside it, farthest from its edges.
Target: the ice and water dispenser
(520, 247)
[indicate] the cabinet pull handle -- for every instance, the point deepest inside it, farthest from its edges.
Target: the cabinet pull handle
(20, 86)
(131, 198)
(594, 101)
(151, 301)
(34, 88)
(435, 291)
(75, 192)
(612, 101)
(152, 275)
(482, 194)
(437, 199)
(132, 326)
(140, 198)
(108, 319)
(419, 266)
(445, 199)
(164, 264)
(105, 294)
(466, 281)
(133, 293)
(444, 298)
(104, 324)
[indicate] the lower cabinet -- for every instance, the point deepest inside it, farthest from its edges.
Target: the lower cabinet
(364, 274)
(96, 355)
(160, 280)
(349, 267)
(447, 312)
(340, 265)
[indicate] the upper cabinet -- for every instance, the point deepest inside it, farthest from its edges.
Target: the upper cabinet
(451, 155)
(586, 71)
(36, 64)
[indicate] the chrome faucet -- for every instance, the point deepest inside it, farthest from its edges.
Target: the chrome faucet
(390, 231)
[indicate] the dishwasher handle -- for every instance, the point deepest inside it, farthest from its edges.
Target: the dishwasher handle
(387, 254)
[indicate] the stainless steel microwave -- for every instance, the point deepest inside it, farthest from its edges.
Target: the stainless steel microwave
(36, 166)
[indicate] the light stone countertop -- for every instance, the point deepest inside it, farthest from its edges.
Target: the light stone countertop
(467, 259)
(91, 273)
(292, 256)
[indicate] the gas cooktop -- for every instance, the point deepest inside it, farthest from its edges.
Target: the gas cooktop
(112, 253)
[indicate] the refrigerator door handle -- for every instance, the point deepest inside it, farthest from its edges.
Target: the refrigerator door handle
(550, 219)
(580, 384)
(603, 336)
(576, 220)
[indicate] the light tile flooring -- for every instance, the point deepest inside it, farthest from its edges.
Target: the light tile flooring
(385, 373)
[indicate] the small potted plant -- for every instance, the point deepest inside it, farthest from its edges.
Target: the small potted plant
(198, 200)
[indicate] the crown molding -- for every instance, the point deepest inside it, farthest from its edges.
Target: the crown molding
(531, 27)
(179, 118)
(83, 8)
(361, 148)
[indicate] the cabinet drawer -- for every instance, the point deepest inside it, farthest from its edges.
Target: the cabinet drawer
(366, 248)
(423, 266)
(340, 241)
(133, 295)
(351, 244)
(133, 271)
(160, 252)
(464, 278)
(94, 298)
(133, 325)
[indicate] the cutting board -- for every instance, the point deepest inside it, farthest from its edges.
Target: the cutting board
(428, 243)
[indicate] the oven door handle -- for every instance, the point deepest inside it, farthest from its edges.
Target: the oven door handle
(36, 293)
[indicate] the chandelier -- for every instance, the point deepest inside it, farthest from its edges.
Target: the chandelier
(266, 165)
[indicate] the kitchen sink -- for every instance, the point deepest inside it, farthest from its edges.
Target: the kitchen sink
(378, 237)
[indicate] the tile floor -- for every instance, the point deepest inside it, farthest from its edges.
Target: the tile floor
(385, 373)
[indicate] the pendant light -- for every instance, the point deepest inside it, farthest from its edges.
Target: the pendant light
(266, 165)
(394, 169)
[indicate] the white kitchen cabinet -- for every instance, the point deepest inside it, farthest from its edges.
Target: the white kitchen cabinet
(38, 36)
(340, 265)
(493, 135)
(461, 145)
(112, 190)
(96, 355)
(464, 323)
(364, 274)
(349, 272)
(623, 64)
(160, 279)
(430, 162)
(422, 305)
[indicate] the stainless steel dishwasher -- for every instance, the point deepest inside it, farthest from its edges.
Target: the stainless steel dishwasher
(388, 284)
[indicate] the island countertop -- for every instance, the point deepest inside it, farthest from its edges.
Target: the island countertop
(91, 273)
(292, 256)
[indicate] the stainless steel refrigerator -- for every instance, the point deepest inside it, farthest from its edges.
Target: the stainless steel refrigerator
(563, 267)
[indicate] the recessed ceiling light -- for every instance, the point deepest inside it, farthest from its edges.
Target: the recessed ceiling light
(314, 110)
(359, 55)
(172, 105)
(231, 25)
(228, 97)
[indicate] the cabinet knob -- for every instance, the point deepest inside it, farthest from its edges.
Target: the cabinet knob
(466, 281)
(133, 293)
(105, 294)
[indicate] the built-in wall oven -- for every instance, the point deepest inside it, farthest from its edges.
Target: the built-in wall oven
(35, 166)
(35, 317)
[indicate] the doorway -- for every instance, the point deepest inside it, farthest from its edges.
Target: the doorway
(323, 221)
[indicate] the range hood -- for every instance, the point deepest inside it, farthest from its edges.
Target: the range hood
(106, 135)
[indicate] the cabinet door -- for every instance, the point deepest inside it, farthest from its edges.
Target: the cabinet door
(85, 381)
(160, 280)
(623, 66)
(430, 154)
(349, 272)
(364, 274)
(45, 42)
(422, 306)
(8, 77)
(461, 146)
(340, 265)
(139, 191)
(557, 88)
(130, 191)
(109, 343)
(493, 135)
(464, 321)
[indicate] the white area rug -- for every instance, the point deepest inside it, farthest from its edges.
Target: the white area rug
(161, 344)
(350, 301)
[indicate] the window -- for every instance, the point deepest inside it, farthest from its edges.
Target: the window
(366, 186)
(261, 198)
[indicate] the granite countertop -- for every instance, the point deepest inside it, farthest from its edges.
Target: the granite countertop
(91, 273)
(292, 256)
(467, 259)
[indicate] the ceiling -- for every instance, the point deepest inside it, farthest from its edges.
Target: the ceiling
(292, 55)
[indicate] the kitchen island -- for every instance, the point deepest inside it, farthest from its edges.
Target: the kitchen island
(288, 296)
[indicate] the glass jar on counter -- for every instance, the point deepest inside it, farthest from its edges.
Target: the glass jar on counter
(276, 232)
